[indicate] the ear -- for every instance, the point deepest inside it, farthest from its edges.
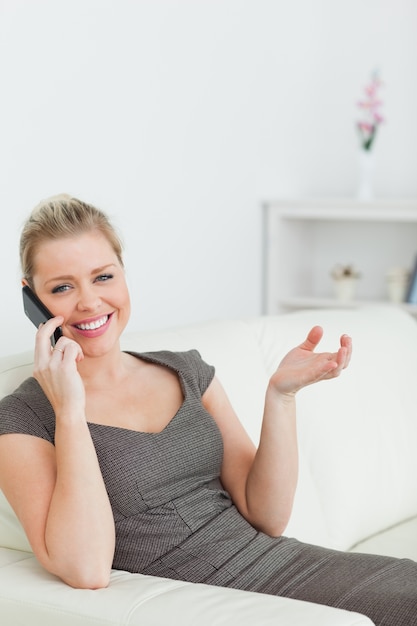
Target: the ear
(24, 282)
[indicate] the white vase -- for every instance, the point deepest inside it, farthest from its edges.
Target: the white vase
(366, 175)
(398, 279)
(345, 288)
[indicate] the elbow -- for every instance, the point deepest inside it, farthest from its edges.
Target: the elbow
(272, 529)
(80, 571)
(271, 525)
(82, 576)
(83, 573)
(275, 531)
(87, 580)
(92, 584)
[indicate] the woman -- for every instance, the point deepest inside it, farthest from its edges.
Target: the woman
(138, 461)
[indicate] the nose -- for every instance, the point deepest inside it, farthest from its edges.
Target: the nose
(88, 299)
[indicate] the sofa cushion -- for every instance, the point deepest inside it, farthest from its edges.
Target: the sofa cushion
(399, 541)
(13, 370)
(12, 534)
(30, 595)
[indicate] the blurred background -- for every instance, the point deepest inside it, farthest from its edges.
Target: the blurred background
(180, 117)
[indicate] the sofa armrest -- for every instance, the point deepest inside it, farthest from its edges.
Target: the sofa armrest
(28, 594)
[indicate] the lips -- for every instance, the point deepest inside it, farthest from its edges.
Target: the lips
(93, 327)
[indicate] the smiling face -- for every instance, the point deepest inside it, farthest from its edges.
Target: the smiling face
(82, 279)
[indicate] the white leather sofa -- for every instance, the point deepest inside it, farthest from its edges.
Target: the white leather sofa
(358, 472)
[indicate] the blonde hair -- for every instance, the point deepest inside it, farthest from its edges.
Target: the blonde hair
(62, 216)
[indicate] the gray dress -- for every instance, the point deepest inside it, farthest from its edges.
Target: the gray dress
(173, 518)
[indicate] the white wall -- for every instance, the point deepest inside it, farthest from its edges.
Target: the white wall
(179, 116)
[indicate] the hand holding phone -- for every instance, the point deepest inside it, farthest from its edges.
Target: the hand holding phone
(37, 312)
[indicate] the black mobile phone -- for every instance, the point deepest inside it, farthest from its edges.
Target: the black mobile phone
(37, 312)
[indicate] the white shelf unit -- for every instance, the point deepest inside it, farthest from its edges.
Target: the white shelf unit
(304, 239)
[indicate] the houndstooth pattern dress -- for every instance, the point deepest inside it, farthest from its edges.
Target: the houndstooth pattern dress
(173, 518)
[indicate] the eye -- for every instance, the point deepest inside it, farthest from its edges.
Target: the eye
(61, 288)
(104, 277)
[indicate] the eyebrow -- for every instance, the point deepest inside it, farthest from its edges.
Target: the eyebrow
(64, 277)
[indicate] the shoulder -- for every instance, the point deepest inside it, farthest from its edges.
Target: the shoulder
(189, 364)
(27, 410)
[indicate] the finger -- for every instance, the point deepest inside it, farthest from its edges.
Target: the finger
(313, 338)
(68, 350)
(346, 341)
(59, 352)
(331, 366)
(343, 354)
(343, 359)
(43, 338)
(51, 325)
(56, 353)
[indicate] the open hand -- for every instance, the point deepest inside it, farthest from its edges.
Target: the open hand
(302, 366)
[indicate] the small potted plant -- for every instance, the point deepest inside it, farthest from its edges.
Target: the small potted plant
(345, 279)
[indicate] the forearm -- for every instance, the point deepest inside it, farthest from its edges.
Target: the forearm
(262, 482)
(272, 480)
(79, 530)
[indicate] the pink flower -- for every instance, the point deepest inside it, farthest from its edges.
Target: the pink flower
(371, 116)
(370, 90)
(366, 127)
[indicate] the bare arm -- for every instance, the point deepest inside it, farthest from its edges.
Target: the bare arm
(58, 491)
(262, 482)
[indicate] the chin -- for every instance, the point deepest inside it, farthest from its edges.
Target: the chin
(94, 348)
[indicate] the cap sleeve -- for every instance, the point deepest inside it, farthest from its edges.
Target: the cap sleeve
(17, 416)
(202, 370)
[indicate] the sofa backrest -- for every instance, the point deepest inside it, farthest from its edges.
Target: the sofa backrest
(13, 370)
(357, 434)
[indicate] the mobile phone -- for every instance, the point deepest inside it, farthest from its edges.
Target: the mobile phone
(37, 312)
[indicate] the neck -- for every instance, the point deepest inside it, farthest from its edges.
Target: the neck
(103, 369)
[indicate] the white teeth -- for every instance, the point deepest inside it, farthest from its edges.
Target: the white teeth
(93, 325)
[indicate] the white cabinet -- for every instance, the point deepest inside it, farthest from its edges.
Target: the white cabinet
(303, 240)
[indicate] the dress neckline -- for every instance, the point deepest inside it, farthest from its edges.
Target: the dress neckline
(151, 358)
